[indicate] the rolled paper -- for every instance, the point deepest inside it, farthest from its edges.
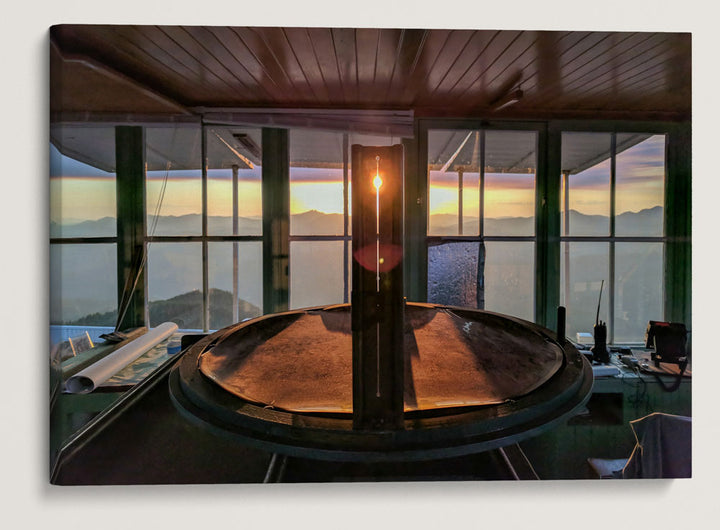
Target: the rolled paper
(96, 374)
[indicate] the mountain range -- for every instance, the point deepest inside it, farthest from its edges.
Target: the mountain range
(646, 222)
(185, 310)
(79, 273)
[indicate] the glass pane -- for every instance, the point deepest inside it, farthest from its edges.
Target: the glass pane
(82, 290)
(234, 273)
(348, 246)
(585, 192)
(638, 289)
(316, 183)
(453, 182)
(175, 284)
(174, 181)
(640, 185)
(82, 182)
(373, 139)
(453, 274)
(509, 197)
(510, 278)
(316, 273)
(234, 189)
(584, 267)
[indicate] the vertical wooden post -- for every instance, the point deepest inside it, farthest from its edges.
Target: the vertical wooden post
(611, 246)
(415, 249)
(566, 232)
(276, 219)
(547, 228)
(678, 226)
(204, 227)
(377, 294)
(131, 221)
(346, 217)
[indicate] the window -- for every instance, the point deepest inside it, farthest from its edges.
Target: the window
(320, 215)
(174, 210)
(234, 266)
(204, 266)
(175, 281)
(235, 278)
(205, 231)
(612, 211)
(319, 218)
(481, 219)
(82, 232)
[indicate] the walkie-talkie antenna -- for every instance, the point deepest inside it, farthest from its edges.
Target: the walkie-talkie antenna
(597, 315)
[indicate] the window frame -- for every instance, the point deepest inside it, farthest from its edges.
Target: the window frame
(677, 285)
(612, 238)
(677, 239)
(204, 238)
(421, 187)
(93, 240)
(345, 237)
(677, 233)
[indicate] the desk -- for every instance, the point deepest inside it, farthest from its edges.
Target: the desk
(603, 429)
(69, 413)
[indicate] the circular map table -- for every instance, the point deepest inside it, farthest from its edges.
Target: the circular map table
(474, 381)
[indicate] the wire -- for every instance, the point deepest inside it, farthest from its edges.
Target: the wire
(138, 268)
(676, 384)
(641, 391)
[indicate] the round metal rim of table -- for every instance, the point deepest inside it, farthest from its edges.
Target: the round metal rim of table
(431, 434)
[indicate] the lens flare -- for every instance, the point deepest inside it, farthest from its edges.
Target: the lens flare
(377, 182)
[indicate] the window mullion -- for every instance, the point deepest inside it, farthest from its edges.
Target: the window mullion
(131, 223)
(276, 219)
(481, 184)
(205, 287)
(611, 250)
(346, 218)
(235, 246)
(480, 280)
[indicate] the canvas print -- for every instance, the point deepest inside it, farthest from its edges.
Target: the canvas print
(295, 254)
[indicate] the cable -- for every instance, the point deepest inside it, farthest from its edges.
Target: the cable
(142, 257)
(678, 379)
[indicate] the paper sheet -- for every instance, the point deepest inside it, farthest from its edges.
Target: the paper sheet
(94, 375)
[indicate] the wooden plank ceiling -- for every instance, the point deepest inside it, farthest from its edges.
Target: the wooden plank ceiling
(454, 73)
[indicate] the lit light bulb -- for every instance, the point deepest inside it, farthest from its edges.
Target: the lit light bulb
(377, 182)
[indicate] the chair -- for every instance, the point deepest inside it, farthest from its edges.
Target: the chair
(663, 449)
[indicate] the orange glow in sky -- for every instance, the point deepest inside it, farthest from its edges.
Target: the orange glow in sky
(85, 198)
(640, 185)
(324, 197)
(86, 193)
(502, 199)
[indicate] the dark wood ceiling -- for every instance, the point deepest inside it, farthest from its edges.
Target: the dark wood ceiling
(178, 69)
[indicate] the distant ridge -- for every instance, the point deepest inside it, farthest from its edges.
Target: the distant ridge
(642, 223)
(314, 222)
(184, 310)
(79, 273)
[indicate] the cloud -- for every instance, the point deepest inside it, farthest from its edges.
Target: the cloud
(493, 181)
(316, 175)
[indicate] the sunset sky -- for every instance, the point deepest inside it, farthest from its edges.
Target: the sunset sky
(88, 193)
